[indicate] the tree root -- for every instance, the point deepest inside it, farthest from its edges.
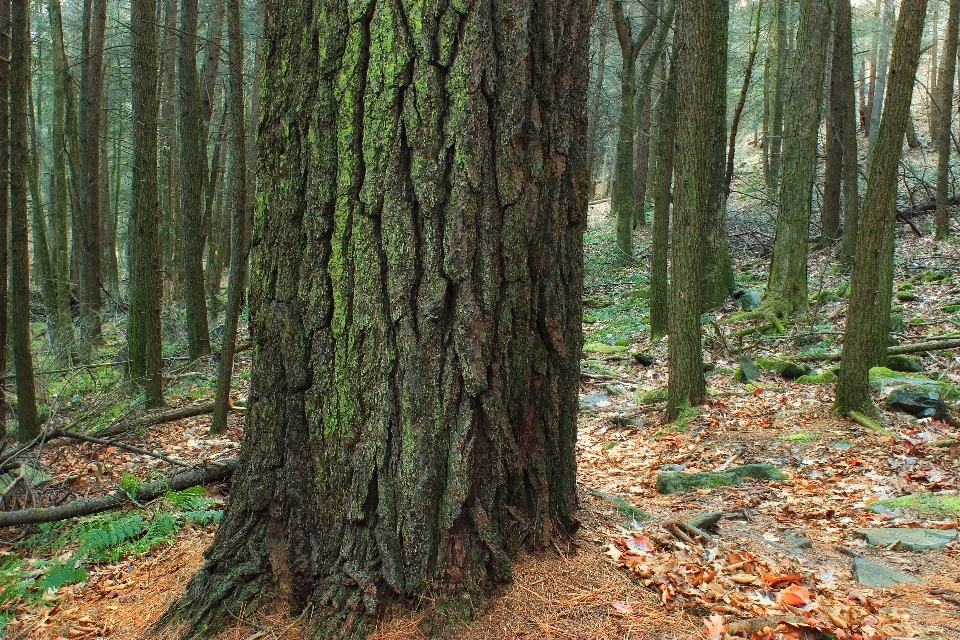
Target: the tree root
(874, 426)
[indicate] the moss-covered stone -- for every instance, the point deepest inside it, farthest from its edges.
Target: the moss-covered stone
(599, 347)
(747, 371)
(896, 323)
(825, 296)
(922, 504)
(819, 378)
(904, 364)
(951, 308)
(651, 397)
(598, 366)
(785, 368)
(882, 376)
(677, 481)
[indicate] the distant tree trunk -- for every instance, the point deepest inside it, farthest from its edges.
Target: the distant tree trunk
(192, 167)
(211, 58)
(212, 219)
(240, 240)
(659, 290)
(874, 46)
(864, 110)
(779, 90)
(843, 112)
(868, 318)
(883, 60)
(947, 73)
(41, 251)
(695, 95)
(738, 110)
(717, 270)
(19, 76)
(787, 283)
(111, 261)
(622, 199)
(107, 225)
(4, 199)
(912, 140)
(60, 253)
(833, 170)
(170, 163)
(641, 162)
(143, 333)
(420, 401)
(601, 30)
(91, 279)
(933, 83)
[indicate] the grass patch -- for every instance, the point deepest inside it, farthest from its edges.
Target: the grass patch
(926, 504)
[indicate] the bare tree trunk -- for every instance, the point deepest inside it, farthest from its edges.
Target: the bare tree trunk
(4, 200)
(947, 73)
(738, 110)
(883, 59)
(868, 318)
(933, 83)
(600, 26)
(844, 112)
(41, 251)
(19, 76)
(659, 289)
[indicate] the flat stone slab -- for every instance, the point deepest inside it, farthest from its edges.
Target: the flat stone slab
(677, 481)
(909, 539)
(871, 574)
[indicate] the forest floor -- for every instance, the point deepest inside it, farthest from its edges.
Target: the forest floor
(632, 575)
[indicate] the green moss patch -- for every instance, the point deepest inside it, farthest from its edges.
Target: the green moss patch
(599, 347)
(652, 397)
(820, 378)
(882, 376)
(677, 481)
(932, 505)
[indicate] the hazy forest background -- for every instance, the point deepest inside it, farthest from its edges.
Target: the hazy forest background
(770, 292)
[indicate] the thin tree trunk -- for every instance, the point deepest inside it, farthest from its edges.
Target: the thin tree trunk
(845, 115)
(111, 259)
(933, 83)
(787, 283)
(874, 46)
(240, 238)
(641, 164)
(41, 248)
(192, 167)
(833, 169)
(947, 74)
(19, 77)
(883, 60)
(665, 150)
(867, 330)
(738, 110)
(211, 58)
(91, 278)
(107, 227)
(601, 28)
(779, 91)
(213, 201)
(146, 261)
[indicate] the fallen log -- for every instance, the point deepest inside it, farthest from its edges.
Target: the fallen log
(156, 417)
(903, 349)
(211, 472)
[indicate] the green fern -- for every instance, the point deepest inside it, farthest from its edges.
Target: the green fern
(190, 499)
(97, 541)
(204, 516)
(62, 573)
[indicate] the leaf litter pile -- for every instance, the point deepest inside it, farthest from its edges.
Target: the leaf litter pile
(788, 553)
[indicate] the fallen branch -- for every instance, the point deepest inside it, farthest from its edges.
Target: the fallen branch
(210, 473)
(750, 628)
(120, 445)
(157, 417)
(903, 349)
(863, 420)
(946, 442)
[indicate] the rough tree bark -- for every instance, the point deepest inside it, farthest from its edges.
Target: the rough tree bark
(42, 266)
(843, 113)
(4, 197)
(717, 270)
(192, 167)
(143, 332)
(880, 82)
(841, 84)
(240, 238)
(777, 56)
(417, 317)
(665, 150)
(170, 155)
(91, 87)
(694, 100)
(870, 292)
(945, 94)
(933, 81)
(600, 27)
(787, 283)
(19, 78)
(741, 101)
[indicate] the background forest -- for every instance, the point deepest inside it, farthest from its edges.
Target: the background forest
(773, 190)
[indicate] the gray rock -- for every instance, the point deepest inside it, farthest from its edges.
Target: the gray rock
(871, 574)
(798, 542)
(677, 481)
(592, 400)
(748, 371)
(908, 539)
(749, 301)
(923, 404)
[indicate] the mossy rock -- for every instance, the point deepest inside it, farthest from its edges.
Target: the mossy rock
(882, 376)
(933, 275)
(931, 505)
(785, 368)
(820, 378)
(951, 308)
(595, 302)
(825, 296)
(896, 323)
(652, 397)
(749, 301)
(622, 342)
(798, 438)
(904, 364)
(677, 481)
(599, 347)
(598, 366)
(747, 371)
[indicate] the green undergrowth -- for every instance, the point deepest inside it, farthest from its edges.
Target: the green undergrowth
(61, 552)
(926, 504)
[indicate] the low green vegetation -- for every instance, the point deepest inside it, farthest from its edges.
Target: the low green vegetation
(931, 505)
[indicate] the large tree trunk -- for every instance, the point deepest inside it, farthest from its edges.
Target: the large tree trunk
(787, 283)
(947, 73)
(659, 291)
(870, 292)
(880, 84)
(143, 333)
(717, 270)
(416, 300)
(95, 15)
(192, 167)
(4, 199)
(240, 238)
(695, 95)
(843, 112)
(19, 77)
